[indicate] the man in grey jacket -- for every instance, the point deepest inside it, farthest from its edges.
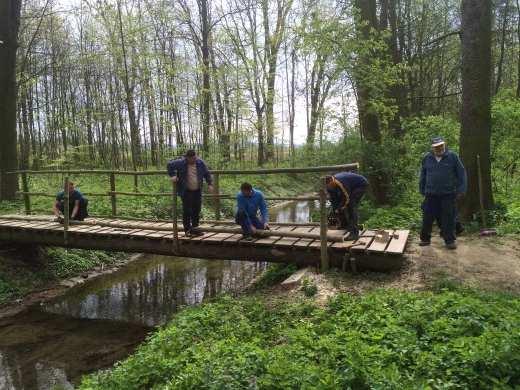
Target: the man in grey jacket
(443, 181)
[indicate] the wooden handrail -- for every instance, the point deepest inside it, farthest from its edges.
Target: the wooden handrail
(263, 171)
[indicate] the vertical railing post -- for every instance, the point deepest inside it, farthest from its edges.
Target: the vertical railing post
(174, 216)
(216, 187)
(26, 198)
(66, 208)
(323, 225)
(113, 193)
(136, 183)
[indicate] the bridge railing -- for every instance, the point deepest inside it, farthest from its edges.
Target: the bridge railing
(216, 196)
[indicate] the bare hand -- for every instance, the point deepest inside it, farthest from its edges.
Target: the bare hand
(174, 179)
(253, 229)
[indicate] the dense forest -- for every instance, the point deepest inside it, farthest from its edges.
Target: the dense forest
(130, 83)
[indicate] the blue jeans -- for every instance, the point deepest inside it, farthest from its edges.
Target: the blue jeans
(443, 209)
(245, 221)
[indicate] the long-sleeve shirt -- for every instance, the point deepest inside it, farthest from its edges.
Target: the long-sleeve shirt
(350, 181)
(443, 177)
(179, 168)
(252, 204)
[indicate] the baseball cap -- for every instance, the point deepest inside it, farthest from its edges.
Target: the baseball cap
(437, 141)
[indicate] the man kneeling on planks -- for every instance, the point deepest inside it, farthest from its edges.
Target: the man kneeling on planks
(77, 205)
(346, 190)
(249, 202)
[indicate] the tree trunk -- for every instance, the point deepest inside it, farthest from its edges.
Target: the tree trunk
(368, 120)
(518, 62)
(475, 136)
(9, 25)
(206, 92)
(502, 46)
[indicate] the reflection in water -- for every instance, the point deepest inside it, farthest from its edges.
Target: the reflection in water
(101, 322)
(150, 290)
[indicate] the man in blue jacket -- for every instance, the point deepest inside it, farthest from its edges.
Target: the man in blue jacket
(443, 181)
(249, 202)
(346, 190)
(77, 204)
(189, 172)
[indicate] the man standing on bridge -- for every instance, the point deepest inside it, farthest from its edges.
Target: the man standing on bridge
(189, 172)
(346, 190)
(77, 204)
(443, 181)
(249, 202)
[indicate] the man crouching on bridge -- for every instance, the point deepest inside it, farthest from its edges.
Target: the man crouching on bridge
(189, 172)
(346, 190)
(77, 205)
(249, 202)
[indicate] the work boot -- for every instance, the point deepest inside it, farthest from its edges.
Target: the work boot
(451, 245)
(247, 237)
(196, 232)
(424, 243)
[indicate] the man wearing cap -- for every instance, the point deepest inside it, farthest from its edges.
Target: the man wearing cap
(189, 172)
(442, 181)
(346, 190)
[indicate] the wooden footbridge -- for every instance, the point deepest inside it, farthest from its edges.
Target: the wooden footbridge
(299, 243)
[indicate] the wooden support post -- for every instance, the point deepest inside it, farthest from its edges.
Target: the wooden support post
(66, 209)
(26, 198)
(217, 199)
(323, 225)
(174, 216)
(113, 193)
(136, 183)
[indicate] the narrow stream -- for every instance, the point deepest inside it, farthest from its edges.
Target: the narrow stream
(102, 321)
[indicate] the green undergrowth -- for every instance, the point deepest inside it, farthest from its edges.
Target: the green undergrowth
(23, 270)
(386, 339)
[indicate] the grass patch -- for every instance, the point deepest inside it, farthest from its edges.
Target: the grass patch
(23, 271)
(453, 338)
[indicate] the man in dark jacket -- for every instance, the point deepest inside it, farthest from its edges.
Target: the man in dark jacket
(346, 190)
(77, 204)
(443, 180)
(189, 172)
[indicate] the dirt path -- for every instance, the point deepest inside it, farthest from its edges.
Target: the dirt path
(489, 263)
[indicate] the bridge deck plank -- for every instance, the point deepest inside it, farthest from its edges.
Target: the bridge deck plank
(397, 245)
(379, 245)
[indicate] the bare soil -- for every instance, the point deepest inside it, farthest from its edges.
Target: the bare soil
(488, 263)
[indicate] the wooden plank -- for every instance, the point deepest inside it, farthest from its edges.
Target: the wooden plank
(368, 233)
(202, 238)
(397, 246)
(267, 240)
(362, 243)
(286, 241)
(303, 242)
(233, 238)
(380, 246)
(142, 233)
(342, 245)
(219, 237)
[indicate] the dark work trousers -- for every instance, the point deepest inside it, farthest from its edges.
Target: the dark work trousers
(82, 212)
(443, 209)
(349, 217)
(191, 204)
(245, 221)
